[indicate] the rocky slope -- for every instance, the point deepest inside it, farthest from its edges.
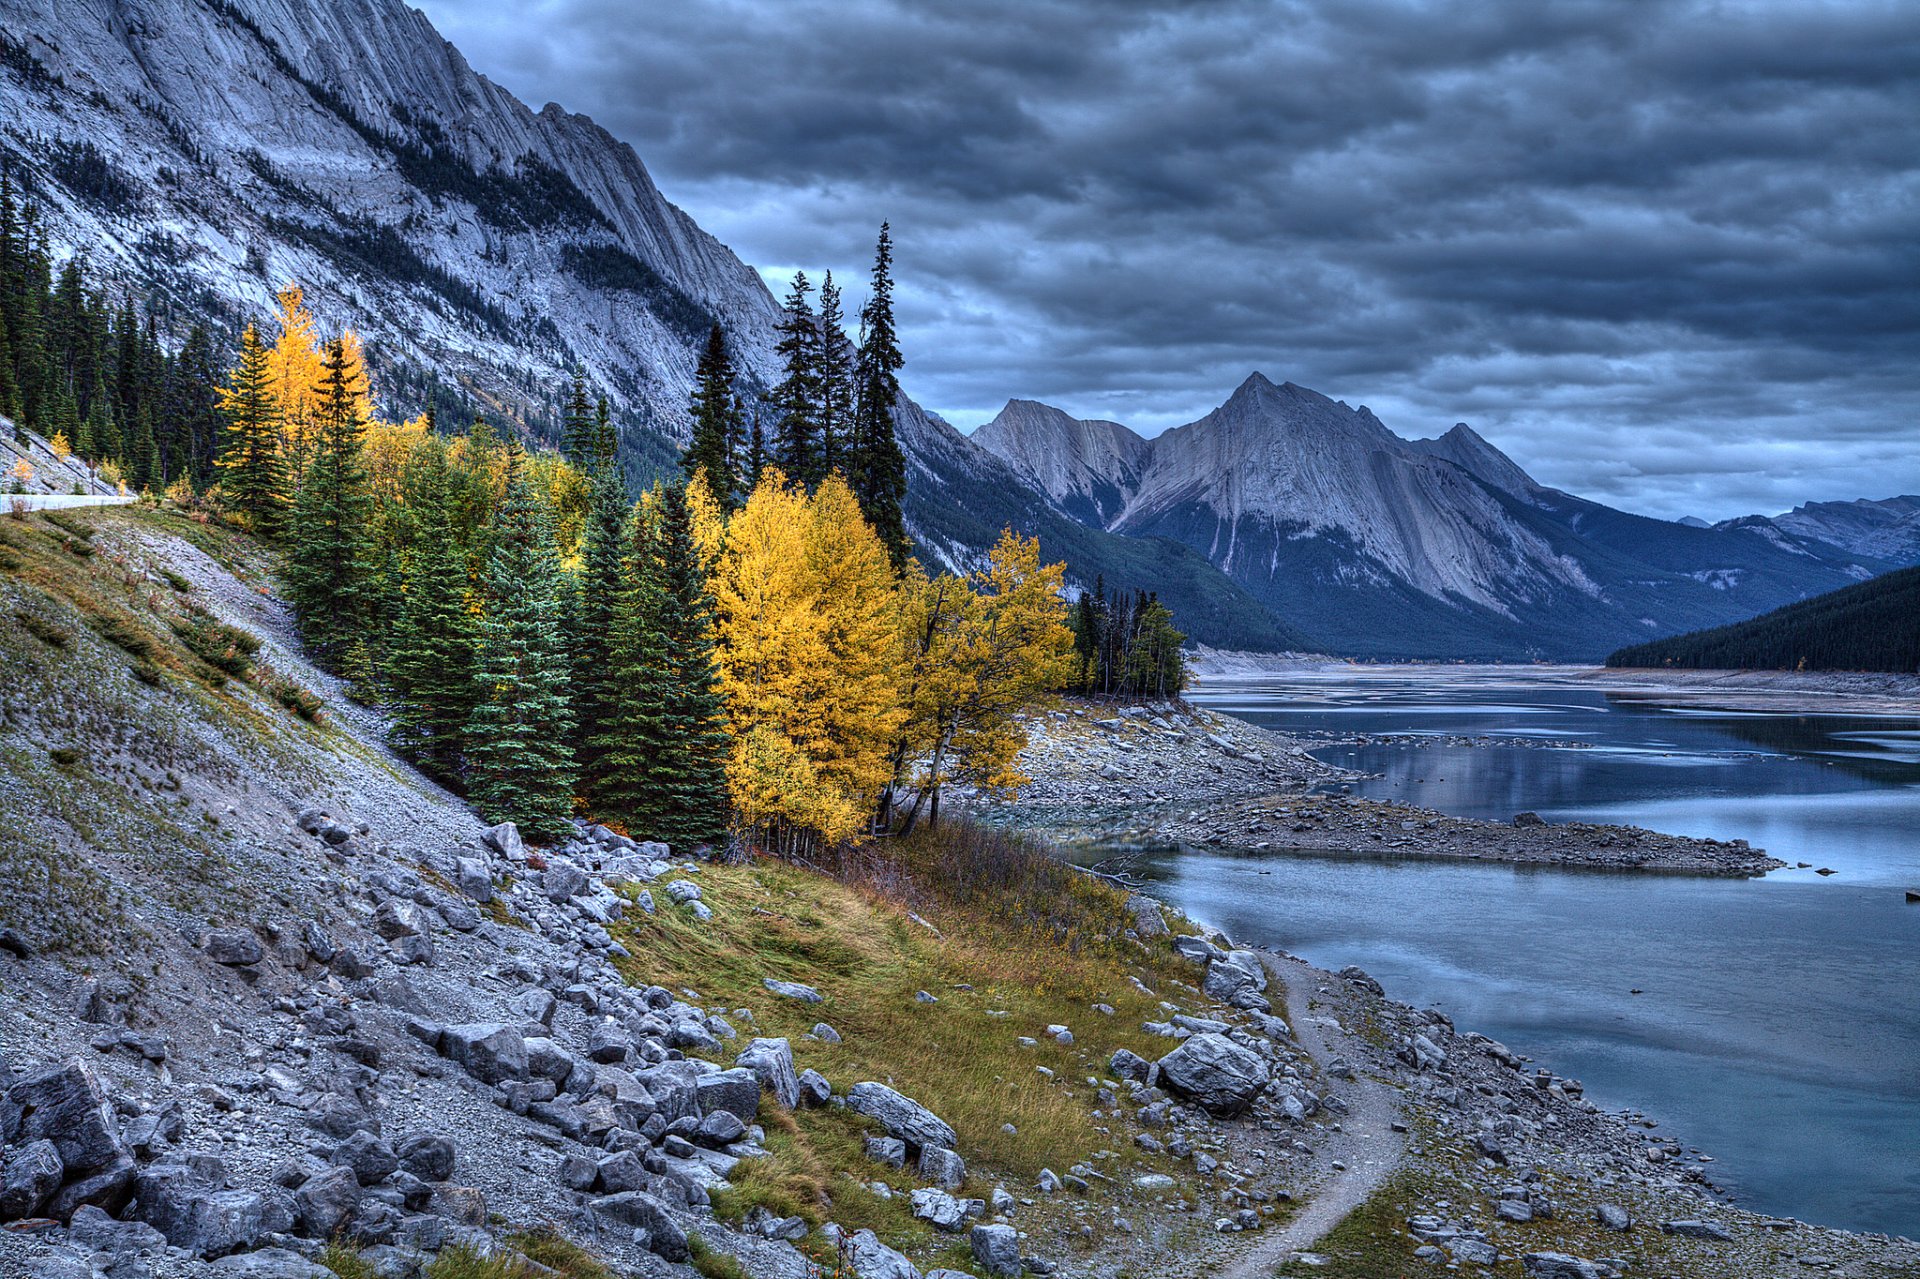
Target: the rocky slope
(1380, 546)
(1888, 529)
(209, 152)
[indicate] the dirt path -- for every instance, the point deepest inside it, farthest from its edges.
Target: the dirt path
(1367, 1146)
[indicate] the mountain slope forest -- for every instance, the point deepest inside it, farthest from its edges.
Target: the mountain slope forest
(1874, 626)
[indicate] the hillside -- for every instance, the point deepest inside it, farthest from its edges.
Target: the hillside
(1380, 546)
(1874, 626)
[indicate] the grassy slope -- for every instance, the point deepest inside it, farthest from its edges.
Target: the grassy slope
(1013, 942)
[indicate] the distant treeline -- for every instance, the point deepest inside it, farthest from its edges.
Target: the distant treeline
(1873, 626)
(1125, 646)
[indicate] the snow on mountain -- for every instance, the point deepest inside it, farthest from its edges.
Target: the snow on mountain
(1888, 529)
(1378, 545)
(219, 148)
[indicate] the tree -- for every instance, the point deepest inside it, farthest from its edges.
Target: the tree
(666, 745)
(983, 651)
(520, 762)
(716, 423)
(599, 594)
(327, 561)
(295, 372)
(577, 431)
(255, 480)
(431, 665)
(798, 446)
(876, 468)
(835, 375)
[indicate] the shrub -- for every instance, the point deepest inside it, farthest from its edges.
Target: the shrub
(225, 648)
(126, 634)
(305, 704)
(176, 581)
(44, 631)
(64, 756)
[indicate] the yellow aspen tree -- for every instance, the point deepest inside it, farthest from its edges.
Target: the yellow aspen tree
(709, 519)
(854, 708)
(359, 384)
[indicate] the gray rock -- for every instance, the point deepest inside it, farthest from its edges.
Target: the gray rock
(33, 1173)
(794, 990)
(1225, 980)
(396, 919)
(721, 1128)
(107, 1187)
(235, 947)
(736, 1090)
(371, 1159)
(939, 1209)
(489, 1051)
(1198, 949)
(204, 1221)
(1475, 1252)
(92, 1227)
(890, 1151)
(609, 1043)
(504, 839)
(771, 1061)
(824, 1033)
(1613, 1217)
(1149, 920)
(1127, 1065)
(562, 880)
(268, 1263)
(1696, 1230)
(872, 1259)
(814, 1088)
(997, 1249)
(682, 891)
(638, 1210)
(470, 876)
(1214, 1071)
(1558, 1265)
(942, 1167)
(902, 1116)
(428, 1156)
(617, 1174)
(673, 1086)
(325, 1201)
(67, 1106)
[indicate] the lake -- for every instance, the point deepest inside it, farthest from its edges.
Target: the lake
(1778, 1028)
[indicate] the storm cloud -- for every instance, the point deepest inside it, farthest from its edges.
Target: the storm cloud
(1667, 255)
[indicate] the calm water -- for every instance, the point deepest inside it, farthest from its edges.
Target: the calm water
(1779, 1024)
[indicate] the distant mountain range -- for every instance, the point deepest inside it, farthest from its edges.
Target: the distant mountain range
(1387, 547)
(1869, 626)
(207, 151)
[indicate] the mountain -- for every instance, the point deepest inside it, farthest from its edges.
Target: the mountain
(1386, 547)
(1870, 626)
(351, 148)
(1888, 529)
(483, 249)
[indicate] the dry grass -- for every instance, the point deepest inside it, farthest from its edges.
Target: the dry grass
(1013, 941)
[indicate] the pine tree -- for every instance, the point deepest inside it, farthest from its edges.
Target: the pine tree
(876, 468)
(606, 440)
(518, 752)
(254, 480)
(431, 663)
(598, 594)
(577, 426)
(757, 460)
(797, 396)
(836, 381)
(716, 422)
(327, 562)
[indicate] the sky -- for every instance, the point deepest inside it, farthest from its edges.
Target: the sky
(1665, 255)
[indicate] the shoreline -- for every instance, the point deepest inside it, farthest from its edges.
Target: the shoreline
(1180, 774)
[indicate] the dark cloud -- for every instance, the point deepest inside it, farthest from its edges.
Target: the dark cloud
(1665, 254)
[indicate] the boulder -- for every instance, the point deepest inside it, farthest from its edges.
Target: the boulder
(235, 947)
(1214, 1071)
(638, 1210)
(771, 1061)
(608, 1043)
(66, 1105)
(674, 1088)
(997, 1249)
(470, 876)
(1198, 949)
(721, 1128)
(325, 1201)
(504, 839)
(942, 1167)
(794, 990)
(814, 1088)
(427, 1156)
(939, 1209)
(561, 881)
(1613, 1217)
(736, 1090)
(902, 1116)
(397, 918)
(371, 1159)
(871, 1259)
(1225, 980)
(268, 1263)
(491, 1052)
(1127, 1065)
(1558, 1265)
(33, 1173)
(890, 1151)
(1149, 920)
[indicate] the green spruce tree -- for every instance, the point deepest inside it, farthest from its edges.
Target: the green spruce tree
(716, 423)
(520, 760)
(876, 468)
(577, 426)
(797, 396)
(598, 599)
(253, 473)
(327, 563)
(836, 380)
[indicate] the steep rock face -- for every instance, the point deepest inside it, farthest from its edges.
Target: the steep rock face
(220, 149)
(1426, 548)
(1085, 467)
